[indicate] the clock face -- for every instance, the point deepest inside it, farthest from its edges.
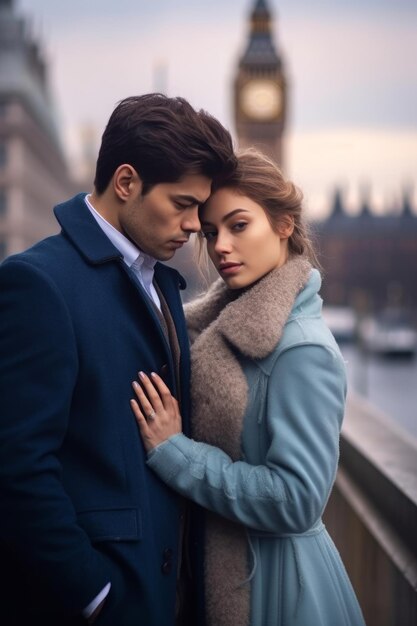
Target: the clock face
(261, 99)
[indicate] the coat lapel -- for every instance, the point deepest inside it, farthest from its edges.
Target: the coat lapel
(80, 227)
(169, 282)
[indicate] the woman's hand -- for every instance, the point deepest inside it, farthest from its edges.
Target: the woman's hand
(156, 411)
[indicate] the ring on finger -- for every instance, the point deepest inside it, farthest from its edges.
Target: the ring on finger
(151, 415)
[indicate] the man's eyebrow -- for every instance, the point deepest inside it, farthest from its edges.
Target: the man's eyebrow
(187, 198)
(226, 217)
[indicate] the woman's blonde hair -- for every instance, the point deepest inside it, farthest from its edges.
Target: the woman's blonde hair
(261, 180)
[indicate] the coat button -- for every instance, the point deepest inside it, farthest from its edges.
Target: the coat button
(167, 561)
(164, 371)
(166, 567)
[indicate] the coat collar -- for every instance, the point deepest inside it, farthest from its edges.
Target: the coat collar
(83, 231)
(308, 302)
(86, 235)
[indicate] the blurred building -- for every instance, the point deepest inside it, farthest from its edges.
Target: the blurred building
(260, 88)
(33, 172)
(369, 260)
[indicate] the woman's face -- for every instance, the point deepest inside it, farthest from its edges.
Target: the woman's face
(240, 240)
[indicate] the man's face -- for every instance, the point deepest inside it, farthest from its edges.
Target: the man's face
(161, 221)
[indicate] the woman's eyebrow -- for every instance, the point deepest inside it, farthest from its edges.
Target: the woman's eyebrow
(226, 217)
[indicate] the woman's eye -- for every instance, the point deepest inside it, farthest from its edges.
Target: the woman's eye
(208, 234)
(239, 226)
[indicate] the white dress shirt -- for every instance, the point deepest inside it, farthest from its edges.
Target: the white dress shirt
(142, 264)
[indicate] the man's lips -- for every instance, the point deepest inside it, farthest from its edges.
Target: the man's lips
(179, 242)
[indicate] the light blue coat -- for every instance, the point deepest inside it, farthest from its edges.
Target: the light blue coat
(279, 489)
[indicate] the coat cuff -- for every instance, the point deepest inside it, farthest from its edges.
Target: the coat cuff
(171, 456)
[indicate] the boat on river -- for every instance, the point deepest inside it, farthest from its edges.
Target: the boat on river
(391, 333)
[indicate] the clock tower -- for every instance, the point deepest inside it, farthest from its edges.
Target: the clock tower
(260, 89)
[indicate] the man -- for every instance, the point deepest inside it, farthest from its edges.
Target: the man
(87, 532)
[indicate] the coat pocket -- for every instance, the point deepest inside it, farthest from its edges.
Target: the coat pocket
(111, 524)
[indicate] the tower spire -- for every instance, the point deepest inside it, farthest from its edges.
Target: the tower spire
(261, 48)
(261, 15)
(338, 208)
(260, 87)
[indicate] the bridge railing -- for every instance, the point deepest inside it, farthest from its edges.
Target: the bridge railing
(372, 514)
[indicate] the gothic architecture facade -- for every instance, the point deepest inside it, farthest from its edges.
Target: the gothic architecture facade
(33, 172)
(369, 261)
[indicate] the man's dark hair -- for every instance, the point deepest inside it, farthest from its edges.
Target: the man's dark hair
(163, 139)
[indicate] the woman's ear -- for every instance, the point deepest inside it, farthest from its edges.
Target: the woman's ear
(285, 226)
(126, 182)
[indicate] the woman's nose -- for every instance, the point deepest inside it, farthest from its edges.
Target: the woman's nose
(223, 244)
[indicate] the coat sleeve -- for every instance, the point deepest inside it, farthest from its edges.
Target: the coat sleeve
(304, 411)
(38, 370)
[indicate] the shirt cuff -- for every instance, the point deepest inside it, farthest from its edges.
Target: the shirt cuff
(89, 610)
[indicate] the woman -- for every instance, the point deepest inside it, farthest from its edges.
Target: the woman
(268, 392)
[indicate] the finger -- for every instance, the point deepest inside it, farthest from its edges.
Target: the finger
(142, 397)
(178, 416)
(151, 391)
(163, 390)
(140, 418)
(177, 408)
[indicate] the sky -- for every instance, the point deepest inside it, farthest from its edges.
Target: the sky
(351, 67)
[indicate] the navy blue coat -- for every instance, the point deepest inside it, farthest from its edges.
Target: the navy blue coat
(78, 506)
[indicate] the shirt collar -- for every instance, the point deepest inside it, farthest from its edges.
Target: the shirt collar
(130, 252)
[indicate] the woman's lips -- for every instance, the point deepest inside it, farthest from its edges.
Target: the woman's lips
(229, 268)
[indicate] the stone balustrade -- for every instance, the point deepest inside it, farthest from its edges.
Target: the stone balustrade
(372, 514)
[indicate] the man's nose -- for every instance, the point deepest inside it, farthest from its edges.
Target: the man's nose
(191, 222)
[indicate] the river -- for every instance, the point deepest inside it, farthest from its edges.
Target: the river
(388, 383)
